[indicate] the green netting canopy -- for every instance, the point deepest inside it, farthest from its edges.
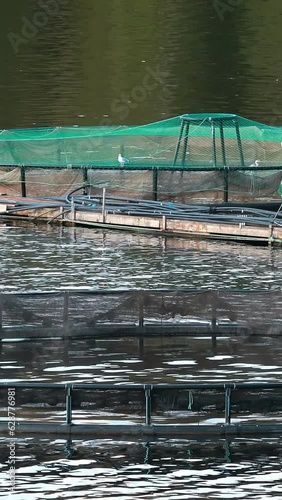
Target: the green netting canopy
(154, 144)
(201, 143)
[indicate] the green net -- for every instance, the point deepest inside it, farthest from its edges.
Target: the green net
(189, 152)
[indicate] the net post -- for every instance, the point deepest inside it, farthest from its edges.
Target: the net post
(226, 184)
(228, 392)
(23, 181)
(239, 141)
(222, 142)
(148, 409)
(178, 143)
(186, 136)
(69, 405)
(213, 142)
(155, 184)
(85, 180)
(104, 206)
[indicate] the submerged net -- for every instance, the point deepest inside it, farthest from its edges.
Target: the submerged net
(176, 147)
(178, 312)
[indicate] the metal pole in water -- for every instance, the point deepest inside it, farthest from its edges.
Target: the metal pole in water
(69, 405)
(104, 206)
(23, 182)
(228, 392)
(148, 409)
(155, 184)
(85, 180)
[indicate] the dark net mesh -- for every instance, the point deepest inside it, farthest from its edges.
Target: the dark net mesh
(249, 312)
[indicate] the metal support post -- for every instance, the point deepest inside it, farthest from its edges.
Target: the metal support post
(148, 396)
(69, 405)
(104, 206)
(155, 184)
(228, 392)
(23, 182)
(226, 184)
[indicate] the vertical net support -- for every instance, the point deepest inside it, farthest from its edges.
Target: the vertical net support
(239, 142)
(217, 124)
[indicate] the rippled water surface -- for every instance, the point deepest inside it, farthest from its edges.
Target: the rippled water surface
(86, 65)
(40, 258)
(125, 470)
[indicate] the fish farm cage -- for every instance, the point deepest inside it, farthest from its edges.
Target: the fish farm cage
(189, 158)
(121, 313)
(137, 409)
(180, 409)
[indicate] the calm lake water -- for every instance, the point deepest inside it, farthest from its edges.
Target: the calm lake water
(84, 61)
(89, 63)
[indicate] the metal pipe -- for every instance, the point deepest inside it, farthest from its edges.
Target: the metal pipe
(23, 181)
(185, 145)
(226, 185)
(222, 143)
(178, 143)
(239, 141)
(228, 392)
(244, 386)
(213, 142)
(69, 405)
(104, 206)
(155, 184)
(148, 408)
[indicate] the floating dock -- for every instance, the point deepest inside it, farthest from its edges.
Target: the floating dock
(258, 224)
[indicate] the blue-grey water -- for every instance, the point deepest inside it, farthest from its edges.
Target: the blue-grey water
(87, 63)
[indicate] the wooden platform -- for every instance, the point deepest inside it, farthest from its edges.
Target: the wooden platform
(159, 225)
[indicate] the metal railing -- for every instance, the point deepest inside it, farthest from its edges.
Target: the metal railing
(155, 169)
(148, 391)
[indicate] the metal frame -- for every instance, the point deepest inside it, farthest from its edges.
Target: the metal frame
(148, 391)
(154, 169)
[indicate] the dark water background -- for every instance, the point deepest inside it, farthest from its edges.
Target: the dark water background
(107, 61)
(89, 60)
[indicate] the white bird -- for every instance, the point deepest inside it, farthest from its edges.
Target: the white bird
(252, 186)
(256, 164)
(122, 160)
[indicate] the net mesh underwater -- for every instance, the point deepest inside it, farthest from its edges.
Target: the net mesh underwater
(257, 312)
(189, 152)
(254, 312)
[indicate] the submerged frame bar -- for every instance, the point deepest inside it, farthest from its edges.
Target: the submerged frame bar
(147, 389)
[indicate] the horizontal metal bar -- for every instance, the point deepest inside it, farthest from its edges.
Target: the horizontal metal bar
(140, 430)
(140, 387)
(148, 167)
(139, 291)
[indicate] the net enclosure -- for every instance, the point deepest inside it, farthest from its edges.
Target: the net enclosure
(133, 312)
(188, 155)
